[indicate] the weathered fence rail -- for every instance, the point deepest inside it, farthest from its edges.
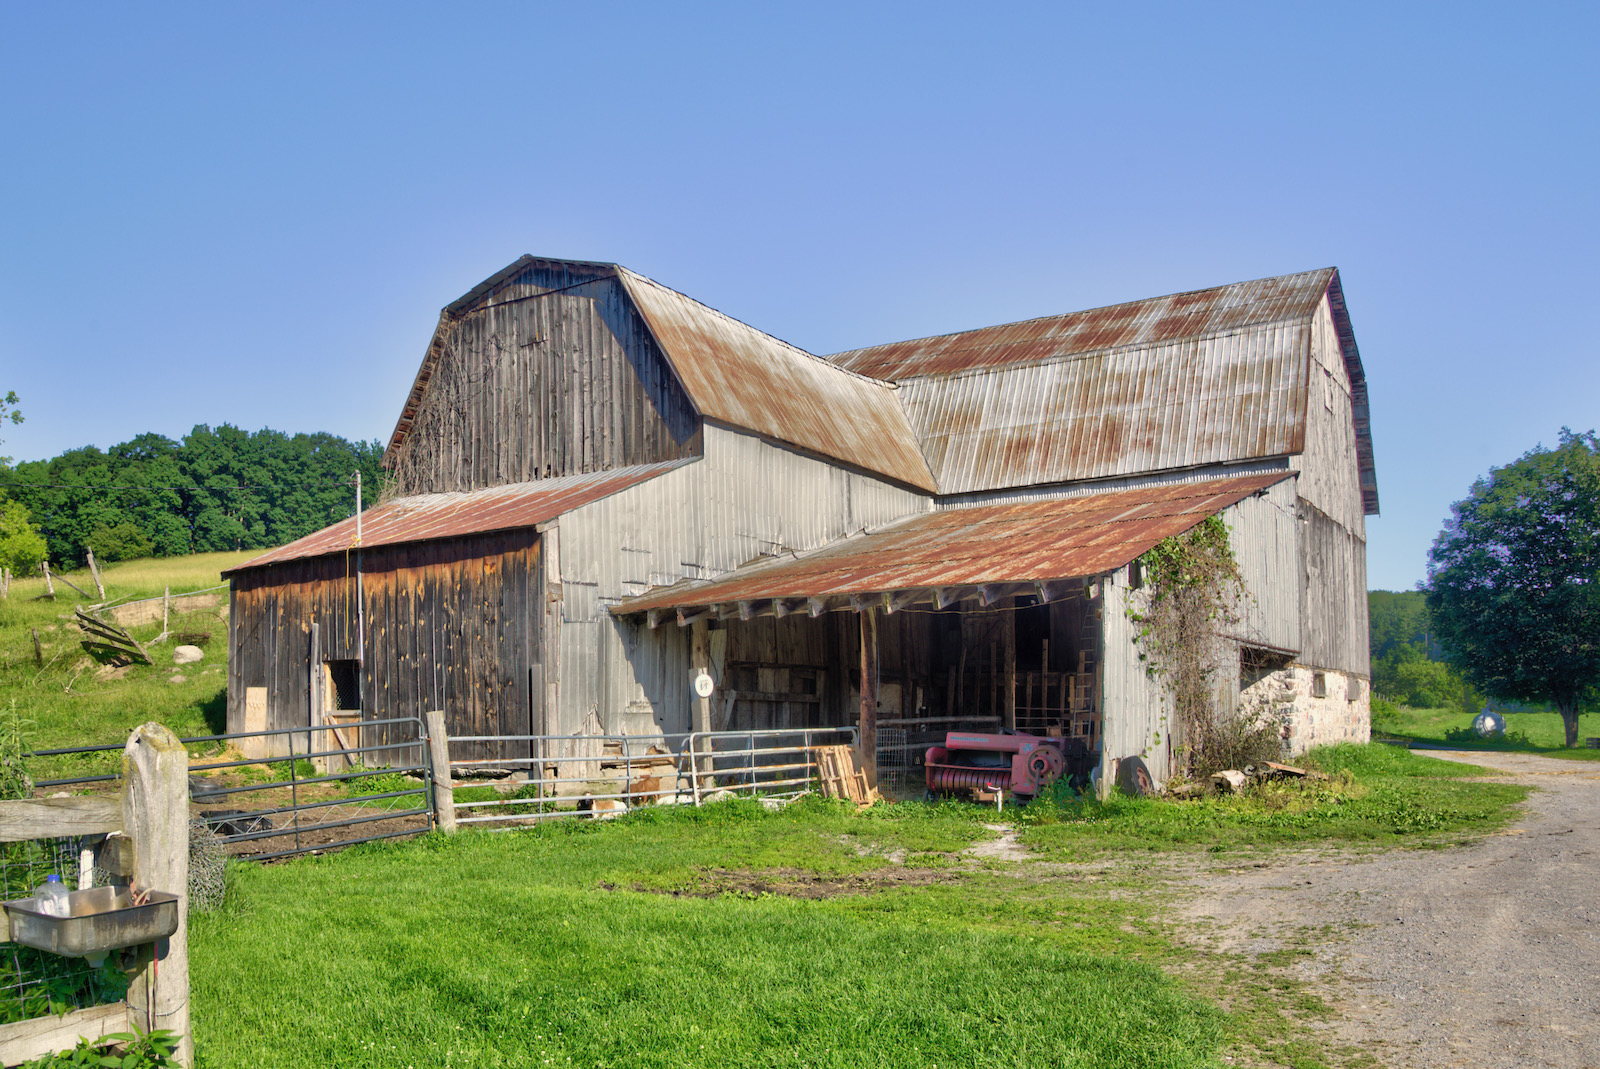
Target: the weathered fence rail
(545, 777)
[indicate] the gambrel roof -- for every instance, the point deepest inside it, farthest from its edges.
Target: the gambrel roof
(1210, 376)
(734, 374)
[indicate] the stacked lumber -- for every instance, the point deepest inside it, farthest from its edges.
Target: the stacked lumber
(109, 643)
(836, 768)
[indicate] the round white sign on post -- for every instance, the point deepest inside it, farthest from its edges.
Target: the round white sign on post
(703, 684)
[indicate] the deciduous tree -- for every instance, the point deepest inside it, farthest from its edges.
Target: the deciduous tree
(1514, 580)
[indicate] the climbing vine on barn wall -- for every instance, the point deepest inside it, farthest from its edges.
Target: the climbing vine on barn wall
(1193, 589)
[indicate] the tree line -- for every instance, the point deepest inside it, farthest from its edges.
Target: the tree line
(218, 488)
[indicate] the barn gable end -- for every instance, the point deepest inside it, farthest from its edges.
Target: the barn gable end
(545, 370)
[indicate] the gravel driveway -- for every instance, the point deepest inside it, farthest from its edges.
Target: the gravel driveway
(1486, 955)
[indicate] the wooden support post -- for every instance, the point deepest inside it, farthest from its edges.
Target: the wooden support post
(155, 816)
(700, 661)
(38, 650)
(444, 800)
(5, 582)
(1009, 637)
(49, 586)
(314, 705)
(94, 570)
(868, 738)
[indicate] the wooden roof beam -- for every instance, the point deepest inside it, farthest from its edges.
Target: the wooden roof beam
(906, 598)
(750, 609)
(861, 602)
(817, 606)
(687, 617)
(782, 607)
(1053, 589)
(946, 596)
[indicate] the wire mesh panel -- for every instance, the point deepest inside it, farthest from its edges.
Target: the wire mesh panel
(894, 761)
(34, 983)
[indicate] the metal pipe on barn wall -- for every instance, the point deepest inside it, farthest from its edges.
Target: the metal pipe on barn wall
(361, 600)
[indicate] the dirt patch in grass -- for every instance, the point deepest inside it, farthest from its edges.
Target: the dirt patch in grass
(797, 883)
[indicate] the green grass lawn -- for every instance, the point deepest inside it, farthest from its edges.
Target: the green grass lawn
(732, 936)
(1373, 794)
(69, 702)
(565, 946)
(1543, 731)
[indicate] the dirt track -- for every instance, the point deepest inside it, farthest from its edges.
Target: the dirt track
(1486, 955)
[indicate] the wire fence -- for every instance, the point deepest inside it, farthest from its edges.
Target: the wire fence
(34, 983)
(319, 788)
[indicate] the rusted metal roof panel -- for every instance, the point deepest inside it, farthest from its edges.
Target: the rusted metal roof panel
(1196, 314)
(1066, 538)
(741, 377)
(1175, 404)
(431, 516)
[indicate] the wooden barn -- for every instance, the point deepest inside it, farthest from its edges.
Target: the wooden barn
(602, 485)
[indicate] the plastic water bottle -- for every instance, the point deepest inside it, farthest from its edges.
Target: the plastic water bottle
(52, 897)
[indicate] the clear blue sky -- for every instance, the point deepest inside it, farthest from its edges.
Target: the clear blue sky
(253, 213)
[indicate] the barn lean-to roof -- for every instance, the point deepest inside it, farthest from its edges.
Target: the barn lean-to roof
(733, 374)
(1023, 542)
(452, 515)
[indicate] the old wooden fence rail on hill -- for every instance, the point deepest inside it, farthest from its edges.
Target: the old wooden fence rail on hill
(139, 839)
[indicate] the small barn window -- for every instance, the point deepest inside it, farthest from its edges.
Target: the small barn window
(1135, 575)
(1327, 389)
(344, 685)
(1352, 690)
(1319, 684)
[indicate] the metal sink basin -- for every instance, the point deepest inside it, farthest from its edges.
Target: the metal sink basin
(103, 918)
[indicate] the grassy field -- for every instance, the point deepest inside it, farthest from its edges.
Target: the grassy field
(1374, 795)
(1526, 732)
(70, 700)
(732, 936)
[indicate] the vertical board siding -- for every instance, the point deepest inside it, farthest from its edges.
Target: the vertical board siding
(1333, 595)
(1330, 468)
(1136, 708)
(542, 382)
(1263, 534)
(449, 625)
(746, 498)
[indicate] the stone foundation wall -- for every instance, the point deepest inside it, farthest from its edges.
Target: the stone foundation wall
(1342, 713)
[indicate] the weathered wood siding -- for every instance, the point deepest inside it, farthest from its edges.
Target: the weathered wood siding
(1332, 531)
(449, 625)
(554, 374)
(1333, 595)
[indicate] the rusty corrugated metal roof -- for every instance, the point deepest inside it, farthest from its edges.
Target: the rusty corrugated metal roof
(430, 516)
(740, 376)
(1178, 404)
(1145, 323)
(1212, 376)
(1067, 538)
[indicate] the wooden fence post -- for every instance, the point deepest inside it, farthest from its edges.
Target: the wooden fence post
(94, 570)
(444, 802)
(49, 585)
(155, 816)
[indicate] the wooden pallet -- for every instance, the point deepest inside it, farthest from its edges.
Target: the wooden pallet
(836, 767)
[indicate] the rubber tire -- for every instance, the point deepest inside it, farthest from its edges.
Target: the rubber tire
(1134, 778)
